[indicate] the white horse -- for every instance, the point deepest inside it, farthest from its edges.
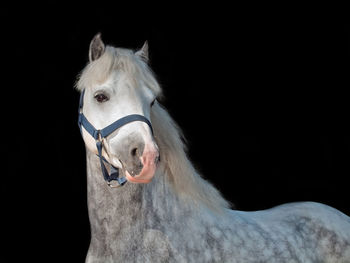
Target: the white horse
(167, 212)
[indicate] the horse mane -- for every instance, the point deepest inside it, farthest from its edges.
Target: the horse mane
(179, 170)
(185, 180)
(117, 59)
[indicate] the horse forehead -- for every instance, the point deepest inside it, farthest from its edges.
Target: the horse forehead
(133, 89)
(121, 81)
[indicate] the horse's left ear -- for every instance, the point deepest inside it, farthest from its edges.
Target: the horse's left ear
(97, 48)
(143, 52)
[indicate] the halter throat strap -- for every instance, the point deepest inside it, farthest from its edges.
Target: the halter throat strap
(98, 135)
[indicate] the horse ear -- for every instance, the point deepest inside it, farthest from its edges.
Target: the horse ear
(143, 52)
(97, 48)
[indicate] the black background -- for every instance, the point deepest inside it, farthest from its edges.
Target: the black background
(260, 92)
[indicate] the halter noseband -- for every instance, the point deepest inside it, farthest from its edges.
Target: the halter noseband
(98, 135)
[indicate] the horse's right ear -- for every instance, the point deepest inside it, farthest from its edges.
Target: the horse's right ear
(97, 48)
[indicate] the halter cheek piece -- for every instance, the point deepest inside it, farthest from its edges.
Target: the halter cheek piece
(98, 135)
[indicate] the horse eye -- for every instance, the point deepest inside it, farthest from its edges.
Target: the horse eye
(101, 97)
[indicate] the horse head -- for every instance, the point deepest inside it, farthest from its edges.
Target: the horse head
(116, 84)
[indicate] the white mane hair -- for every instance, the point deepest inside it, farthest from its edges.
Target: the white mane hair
(179, 171)
(113, 59)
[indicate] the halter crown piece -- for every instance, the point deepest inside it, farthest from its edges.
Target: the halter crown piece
(98, 135)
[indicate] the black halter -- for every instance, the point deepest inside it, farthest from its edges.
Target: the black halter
(98, 135)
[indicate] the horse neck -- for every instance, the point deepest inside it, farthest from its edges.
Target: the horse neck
(128, 208)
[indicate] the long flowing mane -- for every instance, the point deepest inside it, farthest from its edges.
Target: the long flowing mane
(179, 171)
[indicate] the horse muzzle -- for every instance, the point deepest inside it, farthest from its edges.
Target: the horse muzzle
(136, 154)
(149, 161)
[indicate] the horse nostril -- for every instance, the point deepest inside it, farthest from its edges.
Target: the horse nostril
(134, 152)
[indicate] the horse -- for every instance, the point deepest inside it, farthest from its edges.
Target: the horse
(147, 202)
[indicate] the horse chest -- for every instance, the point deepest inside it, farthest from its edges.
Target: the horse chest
(142, 232)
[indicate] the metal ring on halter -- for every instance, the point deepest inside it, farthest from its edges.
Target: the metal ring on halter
(114, 186)
(120, 180)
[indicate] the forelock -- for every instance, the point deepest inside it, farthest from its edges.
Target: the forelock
(117, 59)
